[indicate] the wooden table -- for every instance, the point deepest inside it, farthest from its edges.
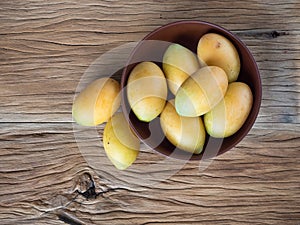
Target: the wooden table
(45, 178)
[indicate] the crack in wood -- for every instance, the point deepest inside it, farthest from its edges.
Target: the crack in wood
(85, 186)
(264, 33)
(69, 219)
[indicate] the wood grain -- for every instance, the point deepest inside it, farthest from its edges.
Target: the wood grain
(46, 178)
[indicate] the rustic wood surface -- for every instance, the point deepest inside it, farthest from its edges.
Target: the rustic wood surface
(46, 178)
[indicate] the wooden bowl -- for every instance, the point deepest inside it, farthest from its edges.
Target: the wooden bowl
(152, 48)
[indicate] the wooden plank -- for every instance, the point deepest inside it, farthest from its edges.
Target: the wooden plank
(46, 49)
(45, 177)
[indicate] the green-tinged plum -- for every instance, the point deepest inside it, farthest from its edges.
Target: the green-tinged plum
(201, 91)
(231, 113)
(147, 91)
(186, 133)
(216, 50)
(120, 143)
(178, 64)
(97, 102)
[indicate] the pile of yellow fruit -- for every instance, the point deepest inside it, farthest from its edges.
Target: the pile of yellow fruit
(207, 99)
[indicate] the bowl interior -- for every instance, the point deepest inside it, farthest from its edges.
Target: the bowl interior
(188, 33)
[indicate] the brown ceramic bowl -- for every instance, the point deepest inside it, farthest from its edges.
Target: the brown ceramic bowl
(152, 48)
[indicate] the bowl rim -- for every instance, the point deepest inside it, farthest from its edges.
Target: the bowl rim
(255, 108)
